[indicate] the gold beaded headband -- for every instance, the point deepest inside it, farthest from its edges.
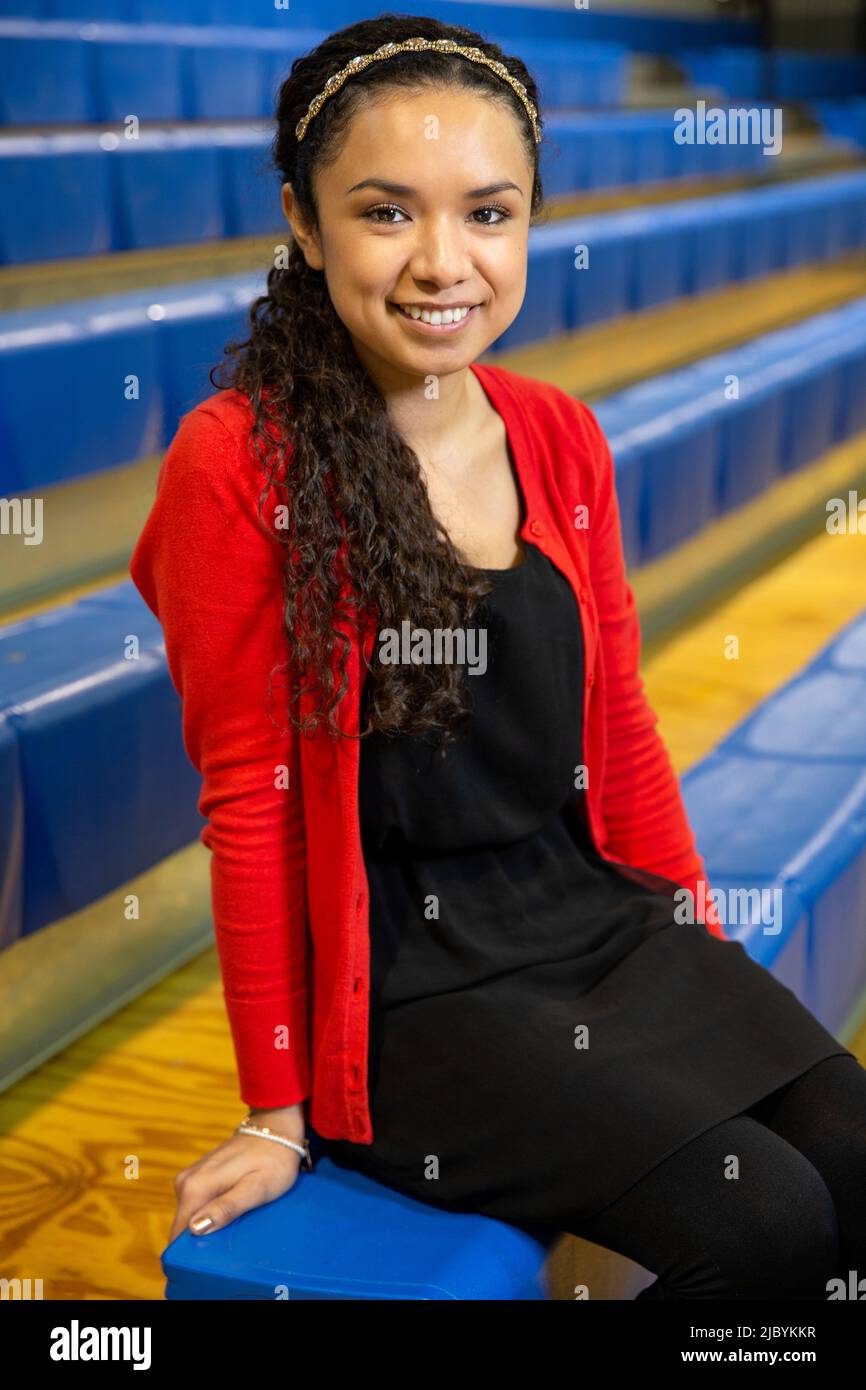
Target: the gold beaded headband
(388, 50)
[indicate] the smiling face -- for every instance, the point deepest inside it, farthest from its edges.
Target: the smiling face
(427, 206)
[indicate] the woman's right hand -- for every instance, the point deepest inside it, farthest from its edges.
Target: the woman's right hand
(242, 1173)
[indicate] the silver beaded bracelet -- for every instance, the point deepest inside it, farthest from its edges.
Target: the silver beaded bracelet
(249, 1126)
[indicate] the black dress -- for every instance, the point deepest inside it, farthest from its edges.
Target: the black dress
(542, 1031)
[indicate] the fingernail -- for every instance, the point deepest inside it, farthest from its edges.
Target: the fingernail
(202, 1222)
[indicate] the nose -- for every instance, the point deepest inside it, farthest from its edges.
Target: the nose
(440, 254)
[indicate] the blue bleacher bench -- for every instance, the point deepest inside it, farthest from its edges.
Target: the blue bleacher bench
(791, 75)
(842, 119)
(130, 192)
(643, 30)
(782, 801)
(125, 367)
(338, 1235)
(93, 772)
(57, 72)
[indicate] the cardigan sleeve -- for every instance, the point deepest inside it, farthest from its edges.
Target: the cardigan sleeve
(641, 800)
(212, 576)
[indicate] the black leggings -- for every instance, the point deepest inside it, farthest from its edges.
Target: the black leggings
(769, 1204)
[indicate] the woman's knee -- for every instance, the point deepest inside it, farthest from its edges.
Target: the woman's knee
(780, 1239)
(823, 1114)
(737, 1213)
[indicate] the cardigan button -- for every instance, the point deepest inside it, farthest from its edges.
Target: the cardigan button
(590, 680)
(583, 595)
(359, 902)
(536, 528)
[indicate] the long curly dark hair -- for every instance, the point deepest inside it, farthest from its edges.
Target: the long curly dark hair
(354, 492)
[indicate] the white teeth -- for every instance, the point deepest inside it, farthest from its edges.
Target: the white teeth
(434, 316)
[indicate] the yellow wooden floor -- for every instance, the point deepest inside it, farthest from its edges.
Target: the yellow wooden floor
(780, 620)
(91, 1141)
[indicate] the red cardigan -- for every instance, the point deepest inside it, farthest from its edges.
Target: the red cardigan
(289, 887)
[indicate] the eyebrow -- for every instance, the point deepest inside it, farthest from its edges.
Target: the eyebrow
(402, 190)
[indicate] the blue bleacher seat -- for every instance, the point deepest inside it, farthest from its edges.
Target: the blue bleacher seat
(250, 185)
(338, 1235)
(761, 818)
(600, 291)
(750, 443)
(139, 78)
(91, 720)
(808, 428)
(141, 188)
(679, 457)
(101, 358)
(744, 73)
(225, 81)
(843, 119)
(745, 417)
(46, 79)
(40, 175)
(171, 69)
(191, 325)
(150, 172)
(785, 794)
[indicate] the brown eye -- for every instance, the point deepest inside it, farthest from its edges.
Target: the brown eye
(384, 207)
(494, 207)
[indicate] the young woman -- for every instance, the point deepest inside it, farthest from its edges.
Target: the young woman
(449, 881)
